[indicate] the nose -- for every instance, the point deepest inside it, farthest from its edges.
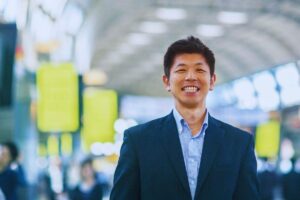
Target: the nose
(190, 75)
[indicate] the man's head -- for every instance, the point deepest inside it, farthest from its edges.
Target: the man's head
(9, 153)
(87, 170)
(189, 72)
(189, 45)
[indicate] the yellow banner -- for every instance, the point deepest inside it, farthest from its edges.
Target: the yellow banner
(267, 139)
(58, 108)
(53, 145)
(66, 143)
(99, 114)
(42, 150)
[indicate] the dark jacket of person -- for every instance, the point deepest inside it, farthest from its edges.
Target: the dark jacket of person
(291, 185)
(96, 193)
(9, 183)
(151, 164)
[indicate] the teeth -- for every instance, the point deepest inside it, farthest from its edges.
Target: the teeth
(190, 89)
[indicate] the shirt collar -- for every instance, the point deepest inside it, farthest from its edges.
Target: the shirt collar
(180, 121)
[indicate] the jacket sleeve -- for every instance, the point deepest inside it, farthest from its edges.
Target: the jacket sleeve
(127, 175)
(247, 184)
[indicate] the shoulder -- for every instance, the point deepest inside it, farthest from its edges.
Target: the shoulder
(146, 128)
(231, 131)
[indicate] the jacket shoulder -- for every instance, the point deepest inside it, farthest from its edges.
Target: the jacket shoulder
(232, 130)
(146, 127)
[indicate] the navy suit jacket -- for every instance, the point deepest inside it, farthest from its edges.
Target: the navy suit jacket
(151, 164)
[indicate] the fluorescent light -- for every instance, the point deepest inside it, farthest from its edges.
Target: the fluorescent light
(245, 93)
(264, 82)
(95, 77)
(232, 17)
(10, 11)
(287, 75)
(269, 102)
(72, 19)
(42, 27)
(153, 27)
(171, 13)
(290, 96)
(208, 30)
(265, 85)
(126, 49)
(138, 39)
(2, 5)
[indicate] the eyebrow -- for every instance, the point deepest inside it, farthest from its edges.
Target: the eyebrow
(183, 64)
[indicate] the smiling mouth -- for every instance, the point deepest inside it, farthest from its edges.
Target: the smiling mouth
(190, 89)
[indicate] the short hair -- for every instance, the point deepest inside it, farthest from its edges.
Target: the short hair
(189, 45)
(86, 161)
(13, 150)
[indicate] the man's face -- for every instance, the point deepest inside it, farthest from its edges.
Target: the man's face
(189, 80)
(5, 157)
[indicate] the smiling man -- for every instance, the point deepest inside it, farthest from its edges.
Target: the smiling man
(188, 154)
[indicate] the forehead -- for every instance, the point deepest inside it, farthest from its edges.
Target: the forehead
(189, 58)
(4, 151)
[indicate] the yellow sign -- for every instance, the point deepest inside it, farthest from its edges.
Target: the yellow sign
(42, 150)
(267, 139)
(53, 145)
(99, 114)
(58, 108)
(66, 143)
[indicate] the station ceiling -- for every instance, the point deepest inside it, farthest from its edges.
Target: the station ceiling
(132, 36)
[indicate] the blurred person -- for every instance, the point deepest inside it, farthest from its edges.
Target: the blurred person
(291, 183)
(268, 180)
(11, 172)
(44, 189)
(187, 154)
(89, 188)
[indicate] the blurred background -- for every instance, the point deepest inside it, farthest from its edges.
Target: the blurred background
(74, 74)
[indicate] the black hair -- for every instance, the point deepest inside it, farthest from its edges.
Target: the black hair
(190, 45)
(86, 161)
(13, 150)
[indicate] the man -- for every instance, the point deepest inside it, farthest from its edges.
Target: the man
(11, 174)
(187, 155)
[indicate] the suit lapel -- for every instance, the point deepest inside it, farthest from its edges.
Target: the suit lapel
(212, 141)
(171, 142)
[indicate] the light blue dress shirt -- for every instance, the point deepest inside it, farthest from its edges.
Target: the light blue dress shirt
(191, 148)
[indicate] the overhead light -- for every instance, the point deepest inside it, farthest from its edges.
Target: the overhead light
(94, 77)
(245, 93)
(153, 27)
(10, 11)
(41, 27)
(232, 17)
(288, 79)
(267, 94)
(72, 19)
(126, 49)
(2, 5)
(208, 30)
(138, 39)
(287, 75)
(171, 13)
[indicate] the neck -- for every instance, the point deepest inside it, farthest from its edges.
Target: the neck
(193, 116)
(89, 181)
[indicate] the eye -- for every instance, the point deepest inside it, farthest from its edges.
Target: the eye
(180, 70)
(200, 70)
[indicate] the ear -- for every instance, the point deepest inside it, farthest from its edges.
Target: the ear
(212, 82)
(166, 82)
